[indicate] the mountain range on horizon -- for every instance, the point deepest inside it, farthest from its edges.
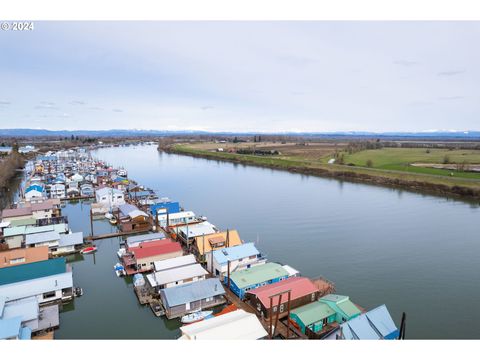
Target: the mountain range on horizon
(29, 132)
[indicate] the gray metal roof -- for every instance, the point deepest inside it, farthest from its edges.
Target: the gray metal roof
(36, 286)
(71, 239)
(145, 237)
(42, 237)
(194, 291)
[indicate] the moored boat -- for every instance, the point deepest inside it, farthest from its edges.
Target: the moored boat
(119, 270)
(195, 316)
(88, 250)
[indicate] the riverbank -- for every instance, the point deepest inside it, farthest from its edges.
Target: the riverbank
(9, 166)
(430, 184)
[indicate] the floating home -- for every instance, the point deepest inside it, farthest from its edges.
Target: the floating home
(241, 257)
(235, 325)
(142, 257)
(204, 244)
(188, 233)
(164, 207)
(342, 305)
(376, 324)
(198, 295)
(176, 276)
(16, 237)
(58, 244)
(109, 197)
(314, 319)
(302, 291)
(254, 277)
(174, 262)
(22, 256)
(12, 329)
(49, 281)
(131, 218)
(177, 219)
(137, 240)
(37, 319)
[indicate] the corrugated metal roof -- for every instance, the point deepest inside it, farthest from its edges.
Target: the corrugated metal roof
(30, 271)
(382, 321)
(313, 312)
(362, 329)
(42, 237)
(257, 274)
(235, 253)
(235, 325)
(343, 303)
(30, 254)
(10, 328)
(194, 291)
(179, 273)
(6, 213)
(299, 286)
(132, 240)
(174, 262)
(71, 239)
(163, 247)
(199, 229)
(36, 286)
(26, 308)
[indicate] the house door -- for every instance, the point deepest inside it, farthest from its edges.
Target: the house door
(187, 306)
(325, 322)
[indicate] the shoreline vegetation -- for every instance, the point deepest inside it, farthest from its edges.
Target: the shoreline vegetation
(458, 187)
(9, 166)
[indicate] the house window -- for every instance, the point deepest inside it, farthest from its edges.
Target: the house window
(313, 297)
(49, 295)
(17, 260)
(281, 307)
(209, 299)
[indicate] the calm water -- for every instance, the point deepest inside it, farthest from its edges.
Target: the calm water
(415, 253)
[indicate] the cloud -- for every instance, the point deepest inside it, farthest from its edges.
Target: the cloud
(406, 63)
(451, 98)
(95, 108)
(65, 115)
(117, 110)
(451, 72)
(77, 102)
(5, 102)
(48, 106)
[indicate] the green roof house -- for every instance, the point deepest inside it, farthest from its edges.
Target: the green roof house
(342, 305)
(314, 316)
(254, 277)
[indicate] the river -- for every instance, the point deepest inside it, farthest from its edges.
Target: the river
(416, 253)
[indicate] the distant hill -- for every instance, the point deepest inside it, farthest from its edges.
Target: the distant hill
(460, 135)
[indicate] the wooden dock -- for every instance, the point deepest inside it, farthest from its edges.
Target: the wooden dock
(115, 234)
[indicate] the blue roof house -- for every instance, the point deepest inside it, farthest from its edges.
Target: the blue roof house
(11, 329)
(164, 207)
(376, 324)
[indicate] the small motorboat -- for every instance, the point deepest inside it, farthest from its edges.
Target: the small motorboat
(109, 215)
(88, 250)
(119, 270)
(195, 316)
(77, 292)
(121, 252)
(113, 221)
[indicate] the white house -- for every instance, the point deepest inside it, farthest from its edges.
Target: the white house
(235, 325)
(57, 190)
(176, 276)
(110, 197)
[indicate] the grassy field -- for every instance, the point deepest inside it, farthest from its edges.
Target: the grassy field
(401, 159)
(385, 174)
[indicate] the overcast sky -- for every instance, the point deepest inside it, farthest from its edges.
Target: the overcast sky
(242, 76)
